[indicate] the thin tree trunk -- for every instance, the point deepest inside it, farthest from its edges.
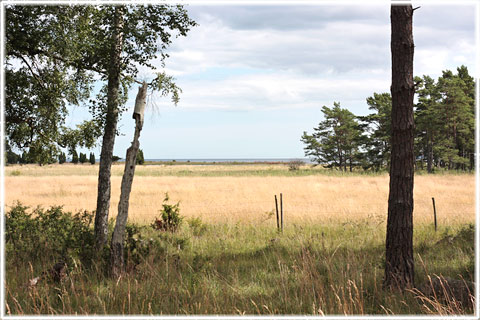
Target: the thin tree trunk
(104, 185)
(429, 155)
(118, 263)
(399, 270)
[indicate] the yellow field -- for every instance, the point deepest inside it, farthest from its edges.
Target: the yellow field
(314, 198)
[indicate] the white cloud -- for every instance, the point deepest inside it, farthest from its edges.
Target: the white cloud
(299, 56)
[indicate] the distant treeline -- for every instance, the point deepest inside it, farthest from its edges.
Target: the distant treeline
(444, 128)
(31, 157)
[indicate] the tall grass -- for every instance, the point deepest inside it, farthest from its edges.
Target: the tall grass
(227, 258)
(246, 269)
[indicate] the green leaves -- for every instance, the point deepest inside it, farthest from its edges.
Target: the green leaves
(445, 120)
(165, 85)
(335, 142)
(54, 55)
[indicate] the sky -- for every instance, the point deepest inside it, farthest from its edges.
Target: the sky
(254, 78)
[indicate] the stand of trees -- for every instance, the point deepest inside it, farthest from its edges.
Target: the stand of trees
(444, 128)
(54, 55)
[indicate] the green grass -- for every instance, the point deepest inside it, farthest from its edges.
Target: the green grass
(247, 269)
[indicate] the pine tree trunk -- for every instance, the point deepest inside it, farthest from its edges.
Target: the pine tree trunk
(429, 155)
(399, 269)
(104, 185)
(118, 264)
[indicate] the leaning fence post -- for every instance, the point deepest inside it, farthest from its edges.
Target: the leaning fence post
(434, 214)
(276, 210)
(281, 211)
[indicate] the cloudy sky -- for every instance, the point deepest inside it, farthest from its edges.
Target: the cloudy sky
(255, 77)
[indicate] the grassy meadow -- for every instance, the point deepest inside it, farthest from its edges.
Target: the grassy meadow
(228, 258)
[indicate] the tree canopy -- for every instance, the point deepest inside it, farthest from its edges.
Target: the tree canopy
(55, 54)
(444, 128)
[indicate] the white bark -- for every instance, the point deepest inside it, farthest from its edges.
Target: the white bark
(118, 263)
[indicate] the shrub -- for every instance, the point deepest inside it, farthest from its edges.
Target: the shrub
(82, 157)
(136, 247)
(92, 158)
(62, 158)
(48, 234)
(140, 159)
(170, 218)
(12, 157)
(295, 165)
(74, 157)
(198, 226)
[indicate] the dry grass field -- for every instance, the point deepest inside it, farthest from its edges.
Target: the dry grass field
(329, 259)
(209, 192)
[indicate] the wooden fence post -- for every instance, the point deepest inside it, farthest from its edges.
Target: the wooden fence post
(276, 210)
(281, 211)
(434, 214)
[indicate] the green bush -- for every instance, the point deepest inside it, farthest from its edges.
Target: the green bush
(50, 234)
(197, 226)
(74, 157)
(140, 159)
(170, 218)
(62, 158)
(92, 158)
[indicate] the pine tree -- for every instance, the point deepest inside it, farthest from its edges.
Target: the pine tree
(62, 158)
(335, 142)
(92, 158)
(74, 157)
(378, 130)
(399, 264)
(140, 159)
(457, 122)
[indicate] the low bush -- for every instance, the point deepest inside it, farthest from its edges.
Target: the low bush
(53, 234)
(170, 218)
(295, 165)
(197, 226)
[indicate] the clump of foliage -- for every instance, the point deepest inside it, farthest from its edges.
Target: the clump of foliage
(11, 157)
(92, 158)
(62, 158)
(170, 218)
(137, 247)
(48, 234)
(82, 157)
(74, 157)
(444, 129)
(115, 158)
(140, 159)
(295, 165)
(197, 226)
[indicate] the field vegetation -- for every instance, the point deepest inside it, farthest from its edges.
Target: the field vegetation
(227, 257)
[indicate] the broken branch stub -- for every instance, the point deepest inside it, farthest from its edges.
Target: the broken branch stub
(140, 102)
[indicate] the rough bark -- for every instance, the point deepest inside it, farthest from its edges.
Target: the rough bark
(399, 271)
(104, 186)
(118, 264)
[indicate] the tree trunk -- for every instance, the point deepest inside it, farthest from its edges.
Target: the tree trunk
(429, 155)
(104, 186)
(118, 264)
(399, 270)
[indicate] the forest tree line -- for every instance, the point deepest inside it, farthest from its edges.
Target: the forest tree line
(444, 128)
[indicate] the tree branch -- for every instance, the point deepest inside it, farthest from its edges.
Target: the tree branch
(31, 70)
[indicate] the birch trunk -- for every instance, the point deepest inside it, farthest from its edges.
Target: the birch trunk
(104, 173)
(118, 263)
